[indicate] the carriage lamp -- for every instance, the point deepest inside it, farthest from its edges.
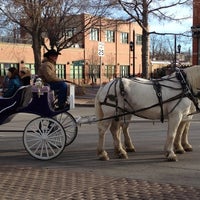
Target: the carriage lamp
(39, 85)
(179, 48)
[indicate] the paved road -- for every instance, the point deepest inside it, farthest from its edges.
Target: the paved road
(77, 174)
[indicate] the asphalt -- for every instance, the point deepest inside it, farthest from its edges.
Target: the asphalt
(55, 181)
(88, 96)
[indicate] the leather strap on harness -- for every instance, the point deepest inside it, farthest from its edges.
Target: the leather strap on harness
(181, 76)
(157, 88)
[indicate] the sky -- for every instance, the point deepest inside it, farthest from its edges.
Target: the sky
(171, 27)
(183, 26)
(174, 27)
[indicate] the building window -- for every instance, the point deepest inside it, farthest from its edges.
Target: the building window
(76, 72)
(94, 34)
(94, 72)
(124, 38)
(5, 66)
(31, 67)
(124, 70)
(110, 36)
(70, 32)
(110, 71)
(61, 71)
(2, 70)
(139, 39)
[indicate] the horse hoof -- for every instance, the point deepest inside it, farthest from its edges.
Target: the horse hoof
(130, 150)
(172, 159)
(104, 158)
(188, 149)
(123, 156)
(179, 151)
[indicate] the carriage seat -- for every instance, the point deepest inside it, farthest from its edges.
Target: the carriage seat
(21, 98)
(11, 105)
(44, 89)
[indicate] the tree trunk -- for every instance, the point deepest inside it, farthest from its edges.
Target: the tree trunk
(145, 54)
(145, 41)
(36, 50)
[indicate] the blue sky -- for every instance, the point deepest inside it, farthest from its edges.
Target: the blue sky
(174, 27)
(171, 27)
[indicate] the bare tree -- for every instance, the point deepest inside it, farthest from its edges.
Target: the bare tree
(50, 19)
(141, 11)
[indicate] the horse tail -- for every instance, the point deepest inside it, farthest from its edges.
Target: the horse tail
(98, 108)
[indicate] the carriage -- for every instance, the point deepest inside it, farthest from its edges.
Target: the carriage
(46, 135)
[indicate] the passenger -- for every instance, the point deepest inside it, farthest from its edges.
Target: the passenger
(25, 76)
(14, 82)
(5, 84)
(47, 72)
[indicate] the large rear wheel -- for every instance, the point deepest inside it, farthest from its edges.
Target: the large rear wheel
(44, 138)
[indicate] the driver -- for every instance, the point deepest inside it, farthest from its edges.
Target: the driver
(47, 72)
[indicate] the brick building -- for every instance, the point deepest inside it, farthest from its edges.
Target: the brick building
(108, 49)
(196, 33)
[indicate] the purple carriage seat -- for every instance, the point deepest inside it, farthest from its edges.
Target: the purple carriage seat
(11, 105)
(44, 89)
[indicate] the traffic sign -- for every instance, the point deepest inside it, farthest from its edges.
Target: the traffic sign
(100, 49)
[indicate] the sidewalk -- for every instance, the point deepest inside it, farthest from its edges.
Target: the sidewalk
(88, 98)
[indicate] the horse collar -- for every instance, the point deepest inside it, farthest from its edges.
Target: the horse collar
(182, 77)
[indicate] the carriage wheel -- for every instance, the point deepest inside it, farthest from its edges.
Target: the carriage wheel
(44, 138)
(70, 126)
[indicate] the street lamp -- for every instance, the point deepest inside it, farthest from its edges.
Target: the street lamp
(132, 49)
(179, 48)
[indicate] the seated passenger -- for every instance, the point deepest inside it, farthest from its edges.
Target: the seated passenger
(14, 82)
(47, 72)
(25, 76)
(5, 83)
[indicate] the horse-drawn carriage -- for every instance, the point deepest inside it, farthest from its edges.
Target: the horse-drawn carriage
(45, 136)
(174, 98)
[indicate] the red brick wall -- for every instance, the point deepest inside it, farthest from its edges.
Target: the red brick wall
(196, 22)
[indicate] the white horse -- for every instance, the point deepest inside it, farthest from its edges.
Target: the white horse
(169, 99)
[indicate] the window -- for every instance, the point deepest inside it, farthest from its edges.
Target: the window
(5, 66)
(76, 72)
(94, 72)
(70, 32)
(124, 38)
(31, 67)
(94, 34)
(61, 71)
(110, 71)
(138, 39)
(124, 70)
(110, 36)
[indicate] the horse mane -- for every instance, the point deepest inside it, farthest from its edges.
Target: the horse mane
(193, 77)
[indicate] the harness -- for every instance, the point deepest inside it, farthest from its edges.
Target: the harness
(157, 85)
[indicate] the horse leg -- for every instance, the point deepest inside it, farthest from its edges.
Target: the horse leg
(102, 128)
(185, 143)
(115, 130)
(178, 148)
(127, 139)
(173, 123)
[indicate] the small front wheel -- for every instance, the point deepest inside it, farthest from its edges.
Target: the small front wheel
(69, 124)
(44, 138)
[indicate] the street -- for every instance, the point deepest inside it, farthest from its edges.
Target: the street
(146, 164)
